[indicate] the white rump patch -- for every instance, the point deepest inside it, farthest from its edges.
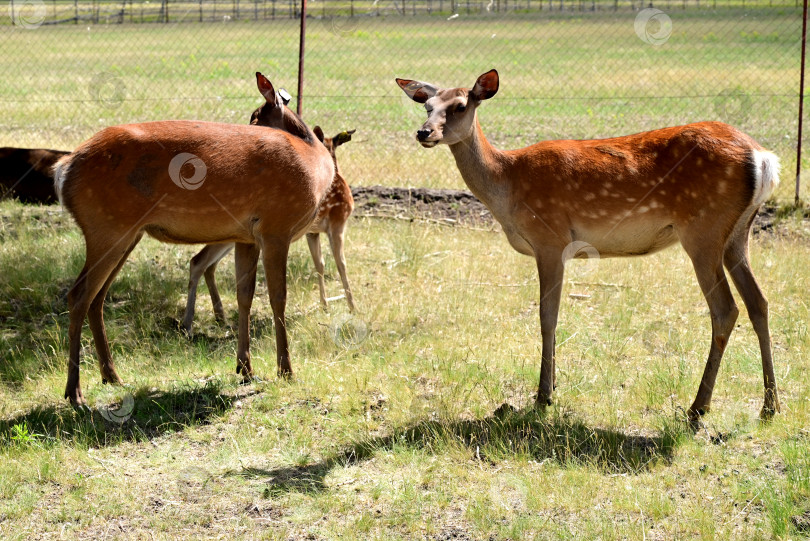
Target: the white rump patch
(60, 171)
(766, 177)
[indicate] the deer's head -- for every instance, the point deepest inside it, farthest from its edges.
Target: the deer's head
(451, 111)
(274, 113)
(331, 143)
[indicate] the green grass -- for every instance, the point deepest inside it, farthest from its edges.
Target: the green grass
(563, 75)
(423, 427)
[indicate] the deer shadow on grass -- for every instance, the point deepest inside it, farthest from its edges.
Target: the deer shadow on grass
(557, 436)
(34, 320)
(136, 415)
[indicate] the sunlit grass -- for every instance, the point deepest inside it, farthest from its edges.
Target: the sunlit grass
(422, 428)
(569, 75)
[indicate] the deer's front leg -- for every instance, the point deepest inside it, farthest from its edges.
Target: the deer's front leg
(550, 273)
(247, 259)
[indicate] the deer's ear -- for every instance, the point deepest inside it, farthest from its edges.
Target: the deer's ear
(486, 86)
(342, 137)
(318, 133)
(266, 88)
(416, 90)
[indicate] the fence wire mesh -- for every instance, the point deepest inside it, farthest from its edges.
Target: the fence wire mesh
(569, 69)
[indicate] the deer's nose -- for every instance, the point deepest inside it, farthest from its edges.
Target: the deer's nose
(423, 134)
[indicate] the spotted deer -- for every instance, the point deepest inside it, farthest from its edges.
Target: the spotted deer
(699, 184)
(333, 214)
(192, 182)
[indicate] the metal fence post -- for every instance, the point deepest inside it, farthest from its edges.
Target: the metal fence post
(801, 106)
(301, 57)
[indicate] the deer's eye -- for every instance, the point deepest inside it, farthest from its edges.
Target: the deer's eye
(461, 108)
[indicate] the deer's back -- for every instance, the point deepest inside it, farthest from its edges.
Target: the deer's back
(191, 181)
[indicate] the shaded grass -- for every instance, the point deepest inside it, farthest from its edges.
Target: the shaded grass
(155, 413)
(507, 434)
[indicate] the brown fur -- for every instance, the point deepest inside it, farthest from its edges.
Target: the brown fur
(333, 214)
(261, 190)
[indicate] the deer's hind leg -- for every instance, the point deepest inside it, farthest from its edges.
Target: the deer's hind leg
(336, 238)
(86, 298)
(247, 260)
(737, 260)
(205, 263)
(95, 318)
(707, 259)
(314, 243)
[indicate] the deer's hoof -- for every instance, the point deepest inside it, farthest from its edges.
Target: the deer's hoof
(543, 401)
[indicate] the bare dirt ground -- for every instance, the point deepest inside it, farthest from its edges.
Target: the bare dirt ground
(460, 207)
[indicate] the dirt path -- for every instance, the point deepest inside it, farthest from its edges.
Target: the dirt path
(456, 207)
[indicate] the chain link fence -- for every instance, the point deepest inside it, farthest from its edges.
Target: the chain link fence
(569, 69)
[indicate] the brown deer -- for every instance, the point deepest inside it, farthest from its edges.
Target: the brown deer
(27, 174)
(192, 182)
(700, 184)
(333, 214)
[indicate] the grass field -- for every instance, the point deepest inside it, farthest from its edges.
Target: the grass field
(397, 429)
(412, 419)
(562, 76)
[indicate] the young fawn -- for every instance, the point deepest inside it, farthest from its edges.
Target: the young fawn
(333, 213)
(699, 184)
(192, 182)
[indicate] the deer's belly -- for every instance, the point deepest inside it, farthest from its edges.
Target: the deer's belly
(628, 239)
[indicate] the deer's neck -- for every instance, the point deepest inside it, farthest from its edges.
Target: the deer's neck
(483, 167)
